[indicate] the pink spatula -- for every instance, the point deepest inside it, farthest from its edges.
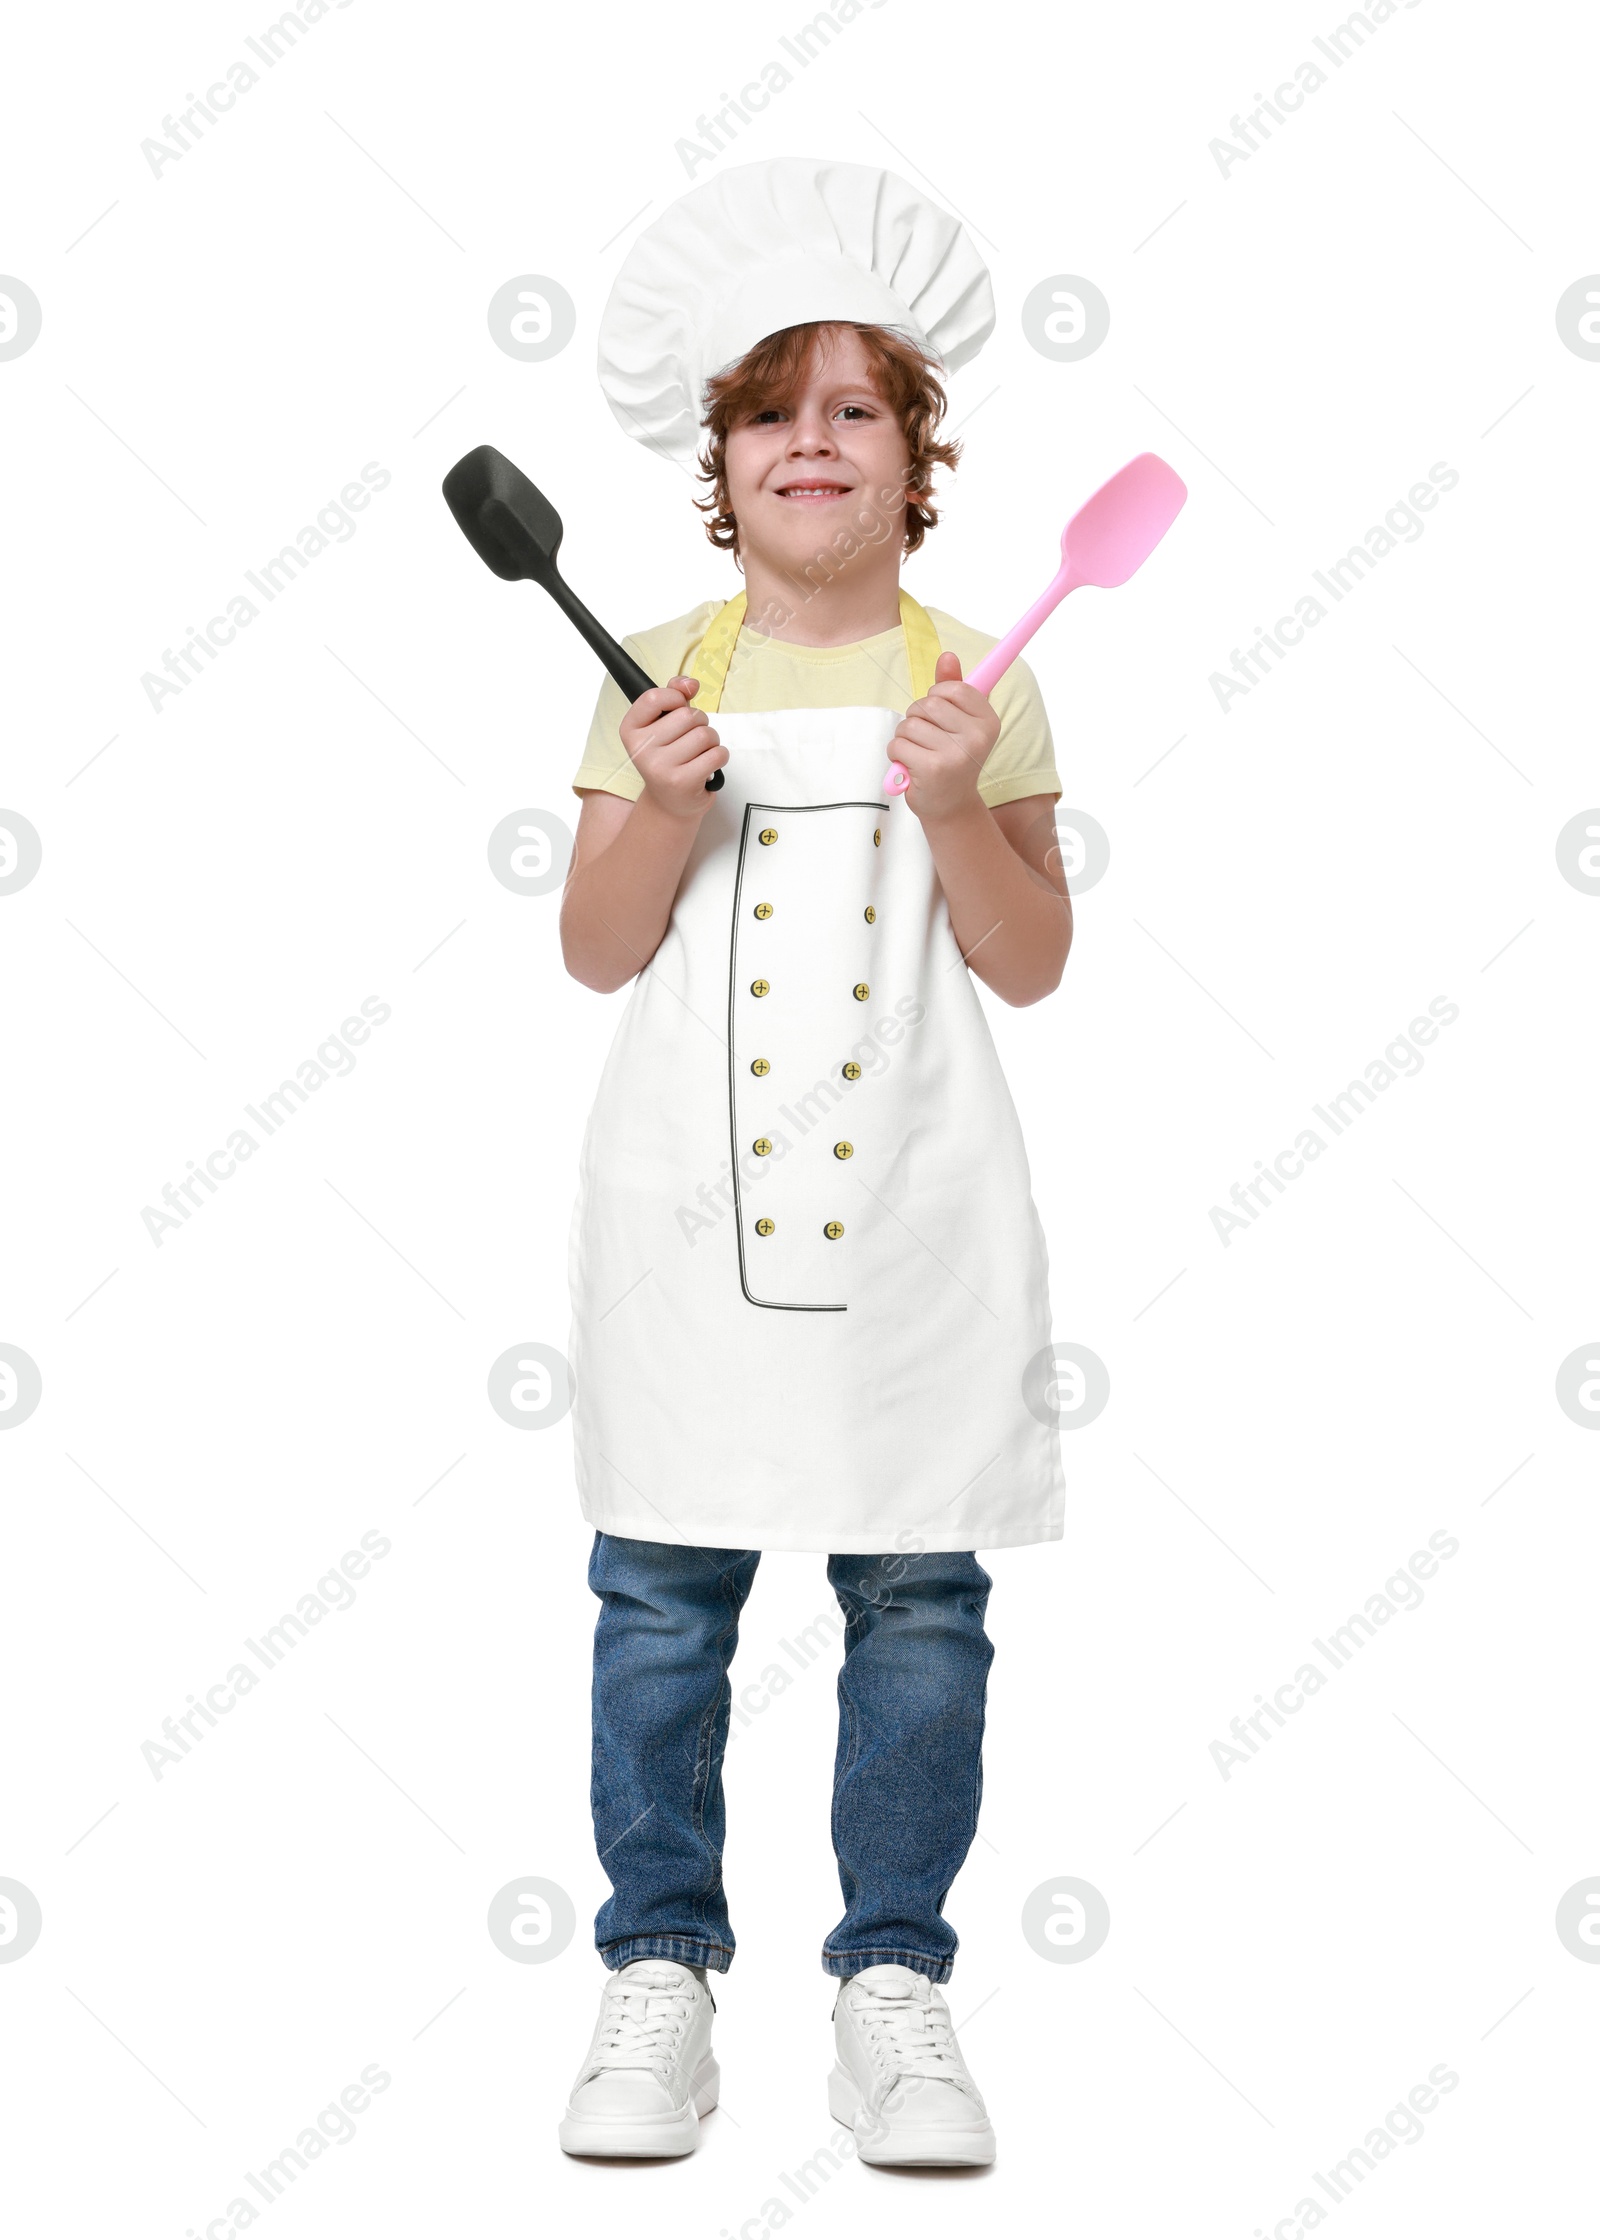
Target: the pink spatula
(1107, 540)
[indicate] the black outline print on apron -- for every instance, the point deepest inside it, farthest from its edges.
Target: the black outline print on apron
(782, 809)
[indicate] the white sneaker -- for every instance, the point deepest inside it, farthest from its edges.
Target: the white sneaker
(900, 2081)
(650, 2075)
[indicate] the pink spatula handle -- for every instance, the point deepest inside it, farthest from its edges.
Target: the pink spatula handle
(988, 672)
(1108, 539)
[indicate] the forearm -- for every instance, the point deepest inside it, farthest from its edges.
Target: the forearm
(1011, 925)
(616, 904)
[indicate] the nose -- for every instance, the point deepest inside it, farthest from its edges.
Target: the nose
(810, 433)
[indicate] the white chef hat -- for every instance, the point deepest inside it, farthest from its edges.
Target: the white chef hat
(771, 245)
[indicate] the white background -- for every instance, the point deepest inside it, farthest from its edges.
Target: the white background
(306, 1358)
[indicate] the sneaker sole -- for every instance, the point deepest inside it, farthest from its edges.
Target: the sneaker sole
(910, 2142)
(640, 2136)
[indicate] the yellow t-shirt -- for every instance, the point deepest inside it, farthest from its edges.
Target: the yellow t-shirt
(870, 673)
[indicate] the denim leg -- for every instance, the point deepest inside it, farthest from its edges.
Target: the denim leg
(667, 1630)
(908, 1776)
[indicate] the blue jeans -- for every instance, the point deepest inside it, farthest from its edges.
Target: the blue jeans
(907, 1777)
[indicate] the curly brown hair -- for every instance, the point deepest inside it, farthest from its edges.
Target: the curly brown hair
(904, 376)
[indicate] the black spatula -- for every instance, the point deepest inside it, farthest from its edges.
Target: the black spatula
(514, 529)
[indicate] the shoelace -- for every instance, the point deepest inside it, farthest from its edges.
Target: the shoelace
(643, 2016)
(920, 2041)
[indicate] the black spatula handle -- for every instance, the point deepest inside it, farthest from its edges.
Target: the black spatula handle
(516, 531)
(620, 666)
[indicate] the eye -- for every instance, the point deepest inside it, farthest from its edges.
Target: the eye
(862, 411)
(768, 412)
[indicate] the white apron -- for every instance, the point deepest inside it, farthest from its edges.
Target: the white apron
(808, 1280)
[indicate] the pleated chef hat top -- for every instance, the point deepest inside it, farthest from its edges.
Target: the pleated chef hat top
(771, 245)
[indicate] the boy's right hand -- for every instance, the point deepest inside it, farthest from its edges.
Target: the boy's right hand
(673, 747)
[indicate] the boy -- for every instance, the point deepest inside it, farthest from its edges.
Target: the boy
(809, 1285)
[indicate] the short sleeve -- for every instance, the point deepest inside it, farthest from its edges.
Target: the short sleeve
(605, 765)
(665, 650)
(1023, 760)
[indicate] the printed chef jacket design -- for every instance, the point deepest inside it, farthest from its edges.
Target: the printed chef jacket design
(808, 1280)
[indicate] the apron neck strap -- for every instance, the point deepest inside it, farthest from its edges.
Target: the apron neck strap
(722, 635)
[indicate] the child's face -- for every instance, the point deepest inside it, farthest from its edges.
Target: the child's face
(832, 459)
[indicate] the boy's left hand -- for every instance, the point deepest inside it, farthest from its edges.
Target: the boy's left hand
(944, 741)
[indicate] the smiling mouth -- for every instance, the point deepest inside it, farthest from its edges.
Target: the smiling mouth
(814, 492)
